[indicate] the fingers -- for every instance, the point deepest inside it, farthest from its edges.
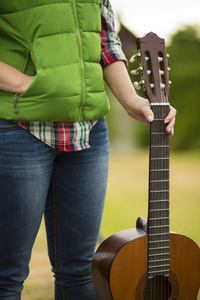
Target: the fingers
(170, 120)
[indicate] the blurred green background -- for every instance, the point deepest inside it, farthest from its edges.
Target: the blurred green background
(127, 194)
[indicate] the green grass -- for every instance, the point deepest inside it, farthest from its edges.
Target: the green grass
(127, 198)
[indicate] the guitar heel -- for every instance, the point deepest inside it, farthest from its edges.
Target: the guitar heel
(141, 224)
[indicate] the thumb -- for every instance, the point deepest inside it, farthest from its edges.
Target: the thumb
(148, 113)
(150, 117)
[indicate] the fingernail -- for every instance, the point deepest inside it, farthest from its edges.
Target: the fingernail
(172, 130)
(150, 118)
(166, 121)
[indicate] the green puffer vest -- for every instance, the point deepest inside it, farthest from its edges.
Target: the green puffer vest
(59, 42)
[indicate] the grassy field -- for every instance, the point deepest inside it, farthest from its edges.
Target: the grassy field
(126, 200)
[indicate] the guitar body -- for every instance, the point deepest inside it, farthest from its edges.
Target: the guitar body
(120, 266)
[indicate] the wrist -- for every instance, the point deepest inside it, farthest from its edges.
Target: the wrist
(24, 83)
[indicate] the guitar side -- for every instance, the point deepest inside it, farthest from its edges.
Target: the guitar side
(104, 278)
(120, 265)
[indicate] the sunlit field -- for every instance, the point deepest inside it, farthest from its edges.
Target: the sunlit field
(127, 199)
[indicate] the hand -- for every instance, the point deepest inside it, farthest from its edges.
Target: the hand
(118, 80)
(12, 80)
(140, 109)
(26, 82)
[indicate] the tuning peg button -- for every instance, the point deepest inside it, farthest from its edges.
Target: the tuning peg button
(162, 86)
(134, 72)
(138, 71)
(138, 85)
(135, 56)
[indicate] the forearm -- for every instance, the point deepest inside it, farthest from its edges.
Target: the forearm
(117, 79)
(12, 80)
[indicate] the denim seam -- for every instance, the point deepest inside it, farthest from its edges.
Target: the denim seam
(56, 233)
(6, 128)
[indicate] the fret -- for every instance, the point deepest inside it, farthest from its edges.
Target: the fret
(158, 254)
(162, 209)
(158, 248)
(161, 241)
(162, 180)
(159, 266)
(157, 158)
(156, 260)
(158, 170)
(163, 218)
(158, 200)
(159, 226)
(162, 133)
(160, 146)
(152, 234)
(159, 191)
(158, 271)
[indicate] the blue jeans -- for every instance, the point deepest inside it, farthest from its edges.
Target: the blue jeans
(69, 188)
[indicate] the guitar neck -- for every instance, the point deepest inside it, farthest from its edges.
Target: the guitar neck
(158, 210)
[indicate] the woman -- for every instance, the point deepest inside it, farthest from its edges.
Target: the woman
(54, 155)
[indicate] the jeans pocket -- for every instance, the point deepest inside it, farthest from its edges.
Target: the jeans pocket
(6, 125)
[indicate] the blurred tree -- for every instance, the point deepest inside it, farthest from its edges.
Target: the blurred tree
(184, 61)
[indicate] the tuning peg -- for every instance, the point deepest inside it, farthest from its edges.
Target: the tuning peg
(160, 59)
(162, 86)
(134, 72)
(168, 69)
(138, 71)
(135, 56)
(169, 82)
(167, 55)
(138, 85)
(151, 85)
(161, 72)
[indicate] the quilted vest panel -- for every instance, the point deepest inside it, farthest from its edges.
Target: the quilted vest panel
(57, 41)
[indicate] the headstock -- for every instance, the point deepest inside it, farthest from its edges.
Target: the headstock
(153, 68)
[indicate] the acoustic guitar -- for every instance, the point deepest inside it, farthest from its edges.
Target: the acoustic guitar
(150, 262)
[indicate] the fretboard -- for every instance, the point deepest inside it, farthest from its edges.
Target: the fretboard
(158, 207)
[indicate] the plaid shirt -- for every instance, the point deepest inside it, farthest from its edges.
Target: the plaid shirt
(66, 136)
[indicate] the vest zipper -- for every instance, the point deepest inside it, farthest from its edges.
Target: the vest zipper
(79, 43)
(15, 103)
(16, 95)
